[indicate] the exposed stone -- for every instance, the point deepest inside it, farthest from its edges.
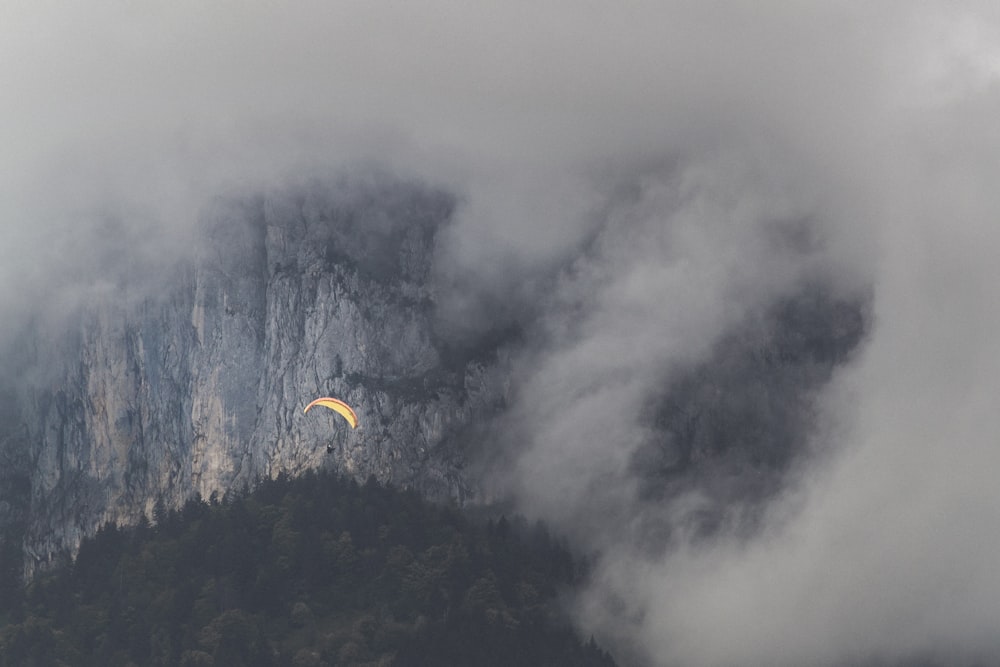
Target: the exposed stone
(199, 387)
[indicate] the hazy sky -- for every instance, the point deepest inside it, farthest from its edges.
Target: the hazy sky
(666, 139)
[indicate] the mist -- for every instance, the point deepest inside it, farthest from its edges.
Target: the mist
(634, 183)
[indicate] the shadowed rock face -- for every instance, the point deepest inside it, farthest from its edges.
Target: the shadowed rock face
(732, 426)
(198, 386)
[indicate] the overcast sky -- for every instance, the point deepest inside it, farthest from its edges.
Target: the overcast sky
(664, 138)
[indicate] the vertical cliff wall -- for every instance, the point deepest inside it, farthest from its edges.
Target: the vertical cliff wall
(195, 382)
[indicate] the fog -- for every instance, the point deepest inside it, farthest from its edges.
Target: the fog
(631, 182)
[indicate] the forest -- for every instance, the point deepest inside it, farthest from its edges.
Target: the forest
(316, 570)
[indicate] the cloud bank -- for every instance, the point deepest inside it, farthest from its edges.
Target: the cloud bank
(632, 180)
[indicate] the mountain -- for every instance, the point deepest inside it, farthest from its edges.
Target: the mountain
(190, 378)
(185, 375)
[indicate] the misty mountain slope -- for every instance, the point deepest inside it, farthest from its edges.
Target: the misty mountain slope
(730, 428)
(197, 386)
(15, 483)
(754, 399)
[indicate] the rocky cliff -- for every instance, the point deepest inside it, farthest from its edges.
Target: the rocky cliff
(187, 374)
(195, 382)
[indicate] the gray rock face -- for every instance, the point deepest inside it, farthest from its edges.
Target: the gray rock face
(198, 386)
(189, 376)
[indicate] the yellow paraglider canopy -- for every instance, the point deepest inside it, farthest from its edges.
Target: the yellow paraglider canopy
(338, 406)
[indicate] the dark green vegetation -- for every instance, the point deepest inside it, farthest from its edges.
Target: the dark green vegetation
(311, 571)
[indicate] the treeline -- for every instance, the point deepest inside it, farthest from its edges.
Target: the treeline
(316, 570)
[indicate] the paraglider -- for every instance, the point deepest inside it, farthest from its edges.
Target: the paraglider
(338, 406)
